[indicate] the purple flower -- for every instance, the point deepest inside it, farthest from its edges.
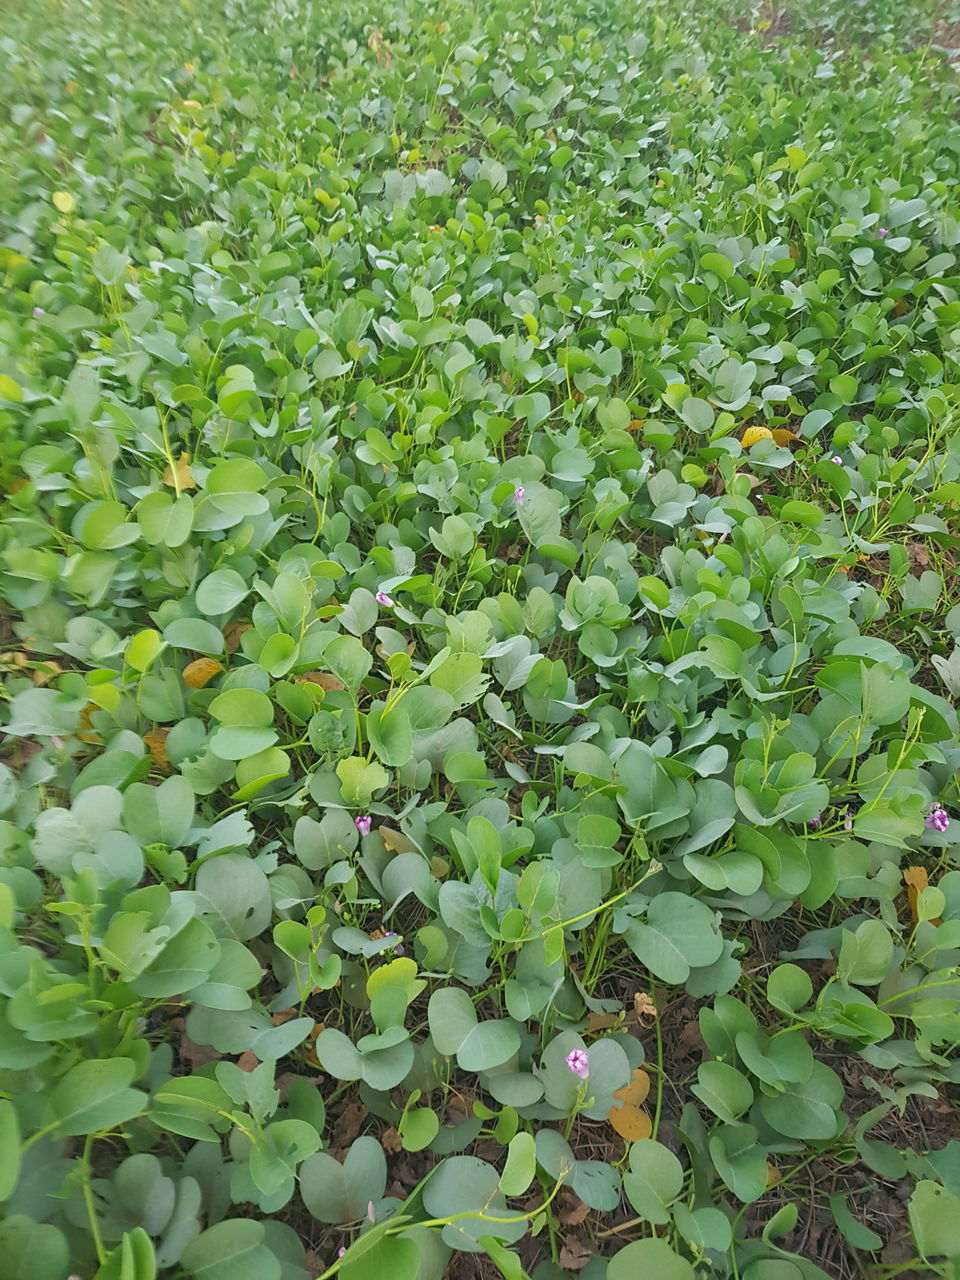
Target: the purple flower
(848, 821)
(578, 1062)
(363, 823)
(398, 945)
(519, 494)
(382, 598)
(938, 819)
(837, 459)
(38, 312)
(341, 1251)
(815, 821)
(882, 232)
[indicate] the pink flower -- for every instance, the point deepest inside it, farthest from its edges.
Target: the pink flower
(815, 822)
(579, 1062)
(882, 232)
(38, 312)
(848, 821)
(837, 459)
(363, 823)
(382, 598)
(519, 494)
(938, 819)
(341, 1251)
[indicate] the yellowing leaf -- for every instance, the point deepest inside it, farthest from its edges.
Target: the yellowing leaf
(64, 201)
(192, 104)
(628, 1119)
(753, 434)
(396, 841)
(87, 733)
(156, 741)
(200, 672)
(179, 476)
(783, 436)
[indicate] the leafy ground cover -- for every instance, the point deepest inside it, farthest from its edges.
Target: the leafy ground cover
(480, 643)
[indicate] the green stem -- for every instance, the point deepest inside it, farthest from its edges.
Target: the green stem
(88, 1201)
(455, 1217)
(656, 1114)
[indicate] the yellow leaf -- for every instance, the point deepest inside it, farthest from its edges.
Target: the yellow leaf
(628, 1119)
(783, 436)
(64, 201)
(70, 86)
(44, 672)
(179, 475)
(396, 841)
(192, 104)
(753, 434)
(156, 741)
(200, 672)
(86, 732)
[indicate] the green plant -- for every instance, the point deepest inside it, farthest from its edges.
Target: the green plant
(478, 551)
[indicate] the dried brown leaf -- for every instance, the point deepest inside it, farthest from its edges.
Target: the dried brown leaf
(602, 1021)
(324, 679)
(232, 633)
(644, 1006)
(919, 558)
(574, 1255)
(194, 1055)
(572, 1209)
(347, 1125)
(391, 1141)
(916, 879)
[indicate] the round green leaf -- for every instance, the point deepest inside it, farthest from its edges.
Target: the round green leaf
(649, 1258)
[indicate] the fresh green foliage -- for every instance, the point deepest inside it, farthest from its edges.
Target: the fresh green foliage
(478, 542)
